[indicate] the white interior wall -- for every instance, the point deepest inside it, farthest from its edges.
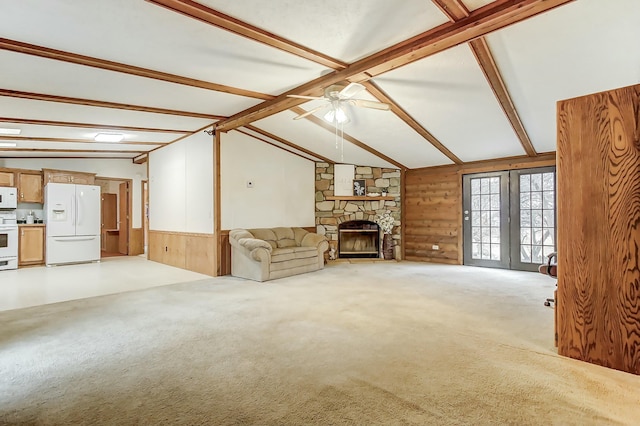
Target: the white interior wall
(112, 168)
(181, 186)
(283, 185)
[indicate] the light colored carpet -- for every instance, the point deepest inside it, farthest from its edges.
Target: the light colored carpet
(363, 344)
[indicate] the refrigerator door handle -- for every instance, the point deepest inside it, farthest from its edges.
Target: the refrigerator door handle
(87, 238)
(79, 209)
(73, 210)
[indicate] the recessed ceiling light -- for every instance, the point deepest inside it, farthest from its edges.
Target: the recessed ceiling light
(6, 131)
(7, 144)
(109, 137)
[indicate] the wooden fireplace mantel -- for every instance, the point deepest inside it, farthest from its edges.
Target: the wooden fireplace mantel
(358, 198)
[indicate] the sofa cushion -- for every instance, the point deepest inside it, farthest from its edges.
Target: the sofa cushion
(286, 243)
(289, 253)
(299, 234)
(293, 263)
(283, 233)
(266, 234)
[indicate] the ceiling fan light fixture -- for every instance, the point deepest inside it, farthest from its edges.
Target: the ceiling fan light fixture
(336, 115)
(109, 137)
(8, 131)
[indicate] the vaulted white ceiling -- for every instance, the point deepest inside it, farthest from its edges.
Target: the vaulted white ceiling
(72, 68)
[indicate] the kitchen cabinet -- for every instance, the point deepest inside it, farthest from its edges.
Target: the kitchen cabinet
(30, 187)
(66, 176)
(30, 245)
(7, 178)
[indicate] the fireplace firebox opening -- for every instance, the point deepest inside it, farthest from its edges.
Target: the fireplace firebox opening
(358, 239)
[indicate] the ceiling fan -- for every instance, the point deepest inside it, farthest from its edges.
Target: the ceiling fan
(336, 96)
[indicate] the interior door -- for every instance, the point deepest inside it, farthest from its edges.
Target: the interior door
(123, 223)
(486, 219)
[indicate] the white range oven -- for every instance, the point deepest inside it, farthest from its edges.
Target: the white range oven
(8, 241)
(8, 228)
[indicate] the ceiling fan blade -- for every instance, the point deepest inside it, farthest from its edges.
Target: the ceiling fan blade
(305, 97)
(352, 89)
(370, 104)
(311, 111)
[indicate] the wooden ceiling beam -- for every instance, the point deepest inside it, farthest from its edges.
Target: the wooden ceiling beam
(88, 125)
(45, 52)
(70, 150)
(288, 150)
(287, 143)
(483, 55)
(218, 19)
(141, 159)
(201, 129)
(61, 157)
(404, 116)
(454, 9)
(103, 104)
(38, 139)
(487, 19)
(457, 11)
(349, 138)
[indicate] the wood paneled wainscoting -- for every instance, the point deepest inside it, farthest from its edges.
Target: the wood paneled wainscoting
(598, 306)
(194, 252)
(136, 241)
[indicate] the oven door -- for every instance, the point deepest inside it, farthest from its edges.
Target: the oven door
(8, 241)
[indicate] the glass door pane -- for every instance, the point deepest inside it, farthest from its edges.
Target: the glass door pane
(486, 219)
(533, 231)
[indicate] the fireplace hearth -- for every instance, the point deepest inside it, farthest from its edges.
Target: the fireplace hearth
(358, 239)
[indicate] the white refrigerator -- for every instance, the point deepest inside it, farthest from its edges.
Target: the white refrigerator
(72, 218)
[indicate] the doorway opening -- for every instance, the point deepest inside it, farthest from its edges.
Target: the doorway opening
(509, 218)
(115, 224)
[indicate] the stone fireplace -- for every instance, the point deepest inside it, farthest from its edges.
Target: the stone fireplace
(332, 211)
(358, 239)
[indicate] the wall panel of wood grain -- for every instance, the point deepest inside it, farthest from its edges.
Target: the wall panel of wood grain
(194, 252)
(432, 206)
(598, 306)
(136, 241)
(432, 216)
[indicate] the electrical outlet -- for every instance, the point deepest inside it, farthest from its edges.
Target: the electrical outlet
(249, 184)
(435, 247)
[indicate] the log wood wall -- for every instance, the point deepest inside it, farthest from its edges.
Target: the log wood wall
(599, 229)
(432, 206)
(432, 216)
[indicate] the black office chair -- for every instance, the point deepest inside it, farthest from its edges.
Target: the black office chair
(550, 268)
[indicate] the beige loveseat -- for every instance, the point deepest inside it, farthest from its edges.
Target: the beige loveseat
(270, 253)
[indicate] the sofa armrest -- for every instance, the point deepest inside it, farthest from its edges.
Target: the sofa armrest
(312, 240)
(259, 250)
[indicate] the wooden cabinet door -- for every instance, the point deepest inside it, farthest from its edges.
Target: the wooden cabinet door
(57, 177)
(7, 178)
(82, 178)
(66, 176)
(31, 245)
(30, 187)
